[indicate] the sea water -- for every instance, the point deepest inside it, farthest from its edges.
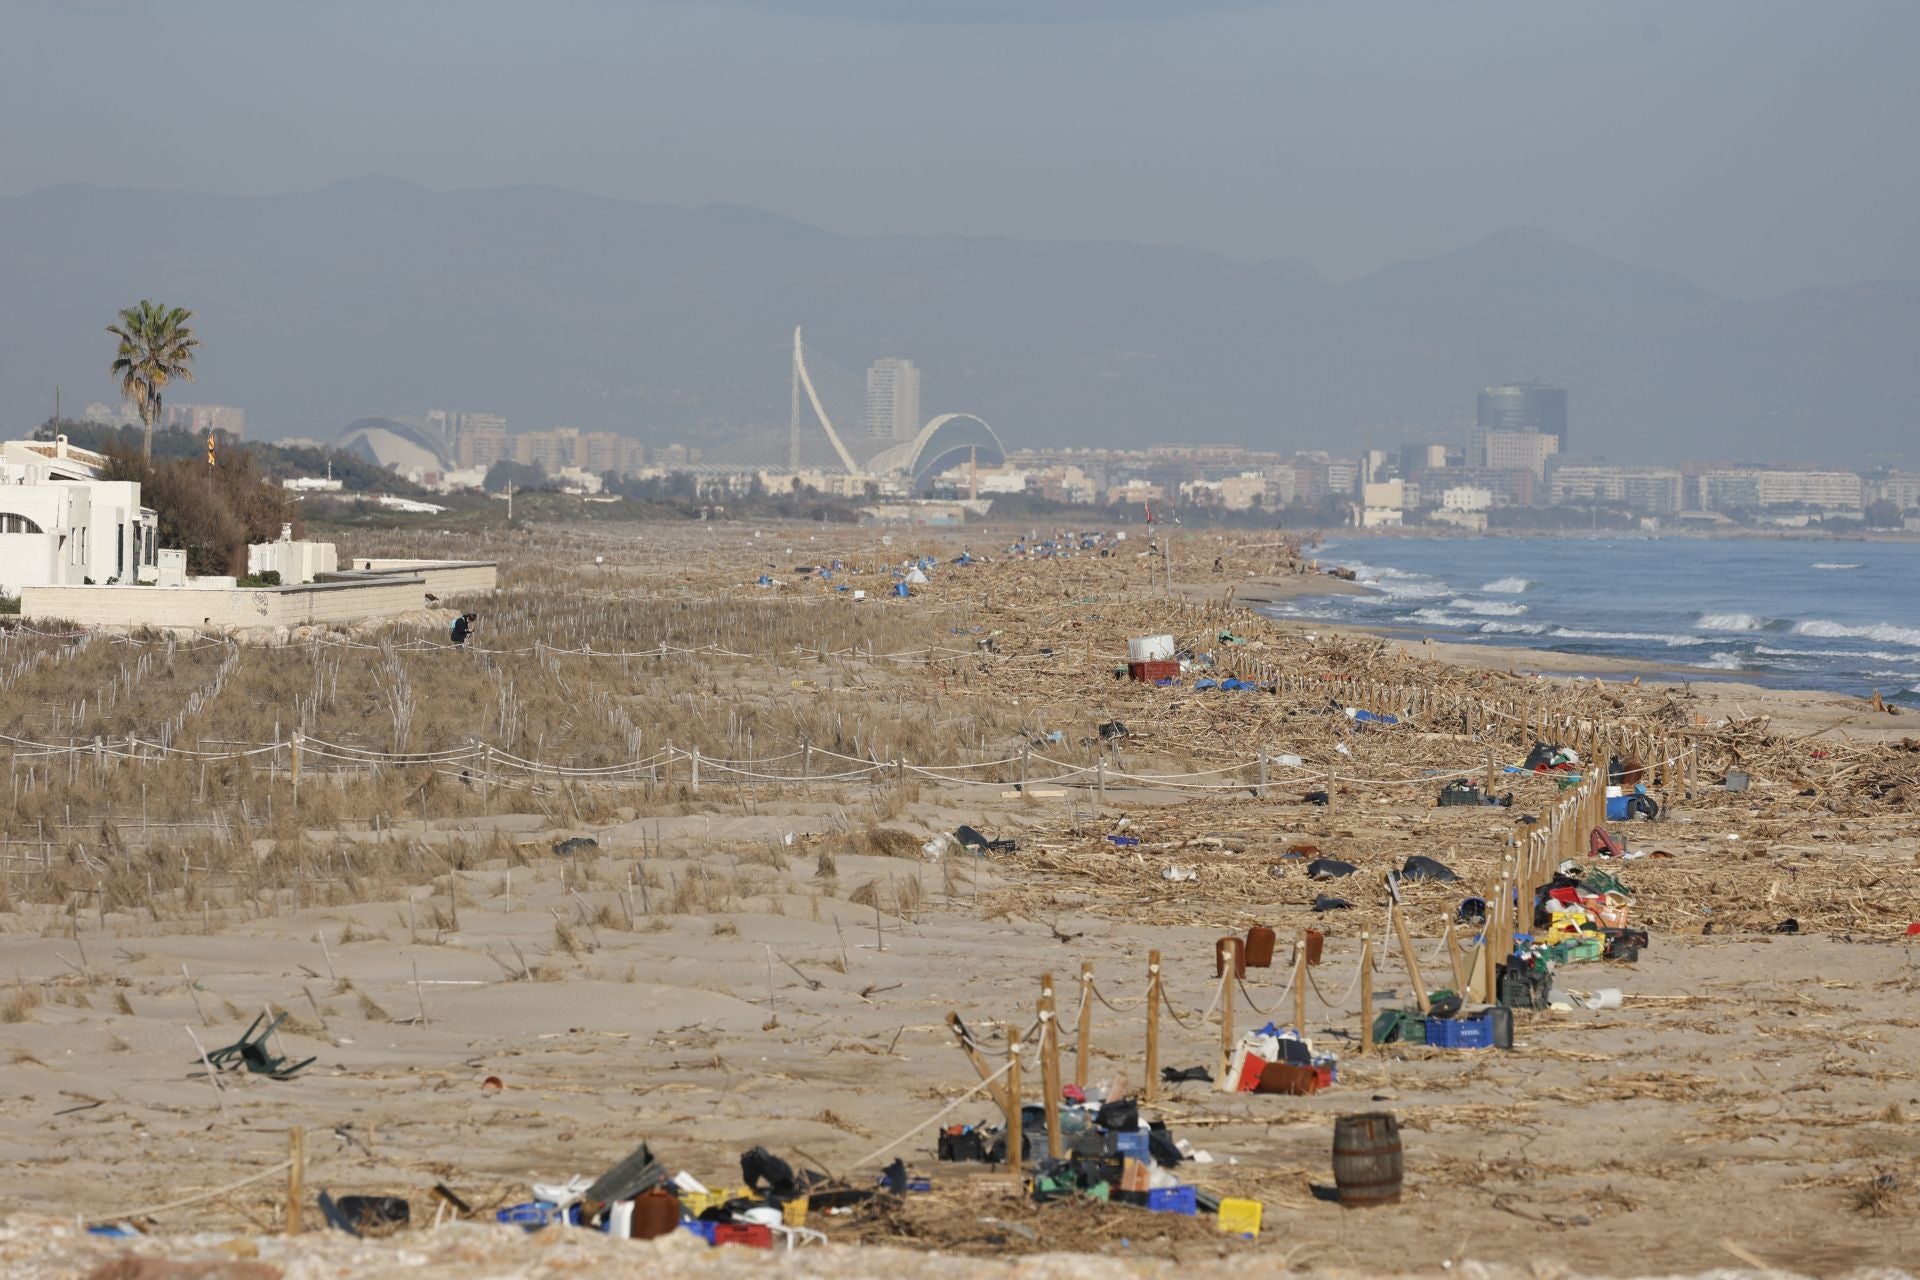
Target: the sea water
(1840, 616)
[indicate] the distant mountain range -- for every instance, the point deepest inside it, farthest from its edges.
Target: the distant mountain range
(375, 296)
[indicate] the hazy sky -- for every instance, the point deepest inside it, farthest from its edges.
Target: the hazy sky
(1755, 146)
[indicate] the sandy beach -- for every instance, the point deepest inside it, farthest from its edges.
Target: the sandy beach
(758, 949)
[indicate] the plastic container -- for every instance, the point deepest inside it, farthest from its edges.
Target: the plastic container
(1617, 808)
(1240, 1217)
(1174, 1200)
(534, 1214)
(702, 1229)
(653, 1213)
(1133, 1145)
(751, 1234)
(1468, 1031)
(1150, 649)
(1280, 1077)
(1259, 948)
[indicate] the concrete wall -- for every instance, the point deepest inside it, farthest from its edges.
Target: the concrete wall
(444, 578)
(268, 607)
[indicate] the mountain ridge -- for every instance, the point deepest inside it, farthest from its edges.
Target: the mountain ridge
(666, 322)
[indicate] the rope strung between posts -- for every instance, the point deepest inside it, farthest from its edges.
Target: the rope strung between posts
(1199, 1021)
(1126, 1007)
(214, 1194)
(938, 1115)
(1351, 988)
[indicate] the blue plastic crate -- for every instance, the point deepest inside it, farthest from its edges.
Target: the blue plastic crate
(534, 1214)
(1470, 1031)
(702, 1229)
(1616, 808)
(1133, 1144)
(1174, 1200)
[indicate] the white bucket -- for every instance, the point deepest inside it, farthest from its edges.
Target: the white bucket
(1150, 649)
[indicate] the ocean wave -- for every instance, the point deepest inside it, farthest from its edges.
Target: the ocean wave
(1513, 628)
(1488, 608)
(1725, 660)
(1739, 622)
(1507, 586)
(1441, 618)
(1884, 632)
(1672, 641)
(1876, 655)
(1836, 566)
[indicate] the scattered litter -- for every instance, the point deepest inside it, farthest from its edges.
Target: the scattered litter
(1329, 869)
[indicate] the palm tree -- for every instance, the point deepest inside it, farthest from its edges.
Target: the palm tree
(155, 348)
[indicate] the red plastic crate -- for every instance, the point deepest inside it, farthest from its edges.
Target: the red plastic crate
(1152, 672)
(751, 1234)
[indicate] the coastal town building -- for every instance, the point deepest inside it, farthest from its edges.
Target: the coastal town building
(1758, 489)
(60, 523)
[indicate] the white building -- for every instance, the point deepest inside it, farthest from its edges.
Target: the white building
(60, 525)
(893, 400)
(295, 562)
(1382, 504)
(1511, 450)
(1751, 489)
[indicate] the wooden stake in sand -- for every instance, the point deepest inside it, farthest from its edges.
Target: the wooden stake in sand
(1413, 961)
(213, 1077)
(296, 1173)
(1013, 1100)
(1366, 992)
(195, 996)
(1153, 1026)
(1228, 972)
(1300, 986)
(1050, 1064)
(996, 1088)
(1083, 1046)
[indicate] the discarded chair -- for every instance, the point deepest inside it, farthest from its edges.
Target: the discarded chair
(251, 1052)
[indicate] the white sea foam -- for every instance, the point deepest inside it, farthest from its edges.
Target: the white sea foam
(1673, 641)
(1507, 586)
(1441, 618)
(1734, 622)
(1488, 608)
(1836, 566)
(1398, 584)
(1725, 660)
(1513, 628)
(1884, 632)
(1876, 655)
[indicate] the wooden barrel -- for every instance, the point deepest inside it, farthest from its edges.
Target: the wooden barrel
(1367, 1162)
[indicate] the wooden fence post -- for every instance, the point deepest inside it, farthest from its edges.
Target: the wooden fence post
(1153, 1026)
(1083, 1045)
(1228, 972)
(296, 1174)
(1050, 1064)
(1366, 992)
(1013, 1099)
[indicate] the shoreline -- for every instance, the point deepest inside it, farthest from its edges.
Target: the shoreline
(1803, 712)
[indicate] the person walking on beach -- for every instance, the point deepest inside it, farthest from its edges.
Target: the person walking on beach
(463, 627)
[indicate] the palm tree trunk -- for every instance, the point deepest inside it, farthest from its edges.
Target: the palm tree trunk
(146, 417)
